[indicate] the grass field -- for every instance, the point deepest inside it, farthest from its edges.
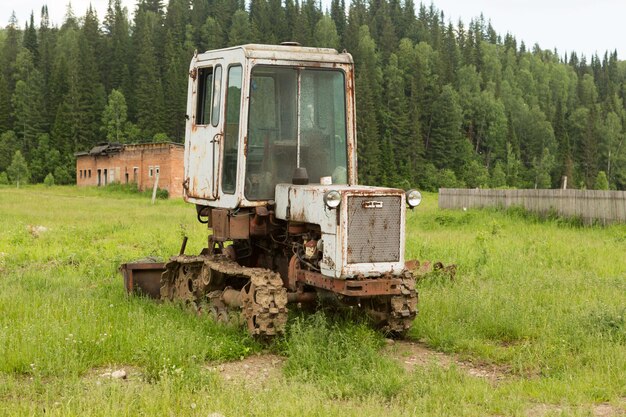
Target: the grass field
(541, 302)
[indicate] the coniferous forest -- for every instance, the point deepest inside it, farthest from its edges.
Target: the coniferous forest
(439, 103)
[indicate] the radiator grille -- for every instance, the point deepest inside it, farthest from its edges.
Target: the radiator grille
(374, 229)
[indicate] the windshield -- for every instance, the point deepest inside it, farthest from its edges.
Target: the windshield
(296, 115)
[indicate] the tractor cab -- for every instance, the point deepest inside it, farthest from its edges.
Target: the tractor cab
(258, 112)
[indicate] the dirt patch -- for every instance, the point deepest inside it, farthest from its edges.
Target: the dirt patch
(412, 354)
(596, 410)
(114, 372)
(252, 371)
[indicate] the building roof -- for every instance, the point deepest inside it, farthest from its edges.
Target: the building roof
(104, 149)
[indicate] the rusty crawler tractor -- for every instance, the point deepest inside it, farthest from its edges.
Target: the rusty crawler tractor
(271, 166)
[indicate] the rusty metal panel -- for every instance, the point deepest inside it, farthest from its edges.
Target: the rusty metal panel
(221, 229)
(352, 287)
(374, 229)
(143, 278)
(239, 226)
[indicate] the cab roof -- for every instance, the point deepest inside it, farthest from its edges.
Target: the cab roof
(283, 52)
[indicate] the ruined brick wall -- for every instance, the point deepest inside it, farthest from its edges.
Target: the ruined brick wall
(135, 164)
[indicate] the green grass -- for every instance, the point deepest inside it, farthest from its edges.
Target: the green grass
(543, 300)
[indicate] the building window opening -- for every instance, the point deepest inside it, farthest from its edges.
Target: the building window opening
(135, 174)
(89, 173)
(157, 170)
(99, 177)
(150, 171)
(106, 176)
(126, 175)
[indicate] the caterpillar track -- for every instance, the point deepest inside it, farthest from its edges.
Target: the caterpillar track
(226, 287)
(231, 293)
(394, 314)
(403, 307)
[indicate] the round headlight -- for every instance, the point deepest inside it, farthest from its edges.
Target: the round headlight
(413, 198)
(332, 199)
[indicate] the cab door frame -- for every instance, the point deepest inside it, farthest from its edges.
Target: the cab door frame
(204, 130)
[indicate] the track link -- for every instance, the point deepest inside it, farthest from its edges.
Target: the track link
(265, 304)
(403, 307)
(198, 279)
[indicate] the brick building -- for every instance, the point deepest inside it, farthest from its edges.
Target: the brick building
(139, 163)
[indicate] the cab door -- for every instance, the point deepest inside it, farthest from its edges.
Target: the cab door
(204, 130)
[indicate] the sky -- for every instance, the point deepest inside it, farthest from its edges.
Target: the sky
(583, 26)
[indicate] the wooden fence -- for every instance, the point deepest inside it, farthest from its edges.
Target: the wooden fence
(589, 205)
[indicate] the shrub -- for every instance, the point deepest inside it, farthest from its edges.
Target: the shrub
(498, 177)
(49, 180)
(162, 194)
(447, 179)
(61, 175)
(4, 179)
(602, 182)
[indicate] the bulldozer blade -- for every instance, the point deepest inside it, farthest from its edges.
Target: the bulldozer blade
(143, 277)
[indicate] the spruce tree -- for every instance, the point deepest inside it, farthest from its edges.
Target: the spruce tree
(338, 14)
(447, 147)
(30, 39)
(5, 105)
(240, 31)
(90, 90)
(8, 145)
(47, 40)
(27, 102)
(368, 81)
(211, 35)
(325, 34)
(148, 91)
(395, 120)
